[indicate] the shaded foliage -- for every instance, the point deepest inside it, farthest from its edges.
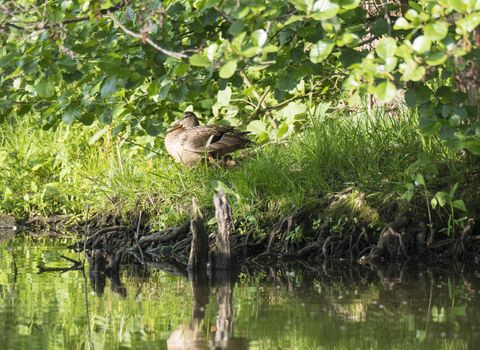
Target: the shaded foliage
(138, 65)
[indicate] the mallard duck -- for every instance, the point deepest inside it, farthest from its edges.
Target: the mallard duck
(188, 142)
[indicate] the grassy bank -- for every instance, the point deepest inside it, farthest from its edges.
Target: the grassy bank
(367, 164)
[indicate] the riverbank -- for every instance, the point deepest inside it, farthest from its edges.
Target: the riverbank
(346, 172)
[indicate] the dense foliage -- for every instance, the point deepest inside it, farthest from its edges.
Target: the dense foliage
(138, 65)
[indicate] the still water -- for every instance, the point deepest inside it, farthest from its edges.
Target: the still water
(44, 305)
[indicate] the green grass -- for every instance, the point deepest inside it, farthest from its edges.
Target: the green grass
(60, 172)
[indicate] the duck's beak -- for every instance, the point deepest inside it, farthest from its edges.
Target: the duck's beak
(174, 127)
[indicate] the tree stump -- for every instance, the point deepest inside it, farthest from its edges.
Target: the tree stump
(198, 258)
(223, 257)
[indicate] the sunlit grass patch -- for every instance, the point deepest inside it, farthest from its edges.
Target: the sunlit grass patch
(61, 172)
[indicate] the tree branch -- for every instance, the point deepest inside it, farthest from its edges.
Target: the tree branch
(42, 26)
(255, 93)
(145, 39)
(13, 25)
(260, 102)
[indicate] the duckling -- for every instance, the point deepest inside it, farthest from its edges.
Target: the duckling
(188, 142)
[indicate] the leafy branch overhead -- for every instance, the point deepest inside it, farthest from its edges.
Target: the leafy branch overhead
(260, 64)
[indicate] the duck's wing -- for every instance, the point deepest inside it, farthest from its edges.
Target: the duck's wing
(229, 142)
(205, 138)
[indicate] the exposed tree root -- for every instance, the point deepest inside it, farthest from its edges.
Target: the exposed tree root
(400, 241)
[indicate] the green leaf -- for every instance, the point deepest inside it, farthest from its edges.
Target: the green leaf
(293, 19)
(105, 117)
(474, 147)
(181, 69)
(418, 96)
(321, 50)
(411, 71)
(70, 115)
(458, 5)
(153, 127)
(163, 93)
(386, 48)
(259, 37)
(421, 44)
(436, 58)
(270, 48)
(459, 204)
(282, 130)
(454, 121)
(453, 190)
(405, 51)
(419, 180)
(454, 141)
(257, 127)
(250, 52)
(87, 118)
(299, 4)
(228, 69)
(442, 198)
(436, 31)
(467, 24)
(45, 88)
(291, 110)
(460, 112)
(237, 42)
(444, 93)
(224, 96)
(324, 9)
(109, 87)
(348, 39)
(402, 24)
(386, 91)
(349, 4)
(286, 82)
(236, 28)
(434, 202)
(199, 60)
(411, 14)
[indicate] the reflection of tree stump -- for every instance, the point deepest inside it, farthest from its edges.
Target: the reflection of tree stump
(200, 292)
(225, 314)
(223, 257)
(192, 336)
(224, 339)
(199, 249)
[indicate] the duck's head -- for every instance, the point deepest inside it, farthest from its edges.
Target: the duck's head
(189, 120)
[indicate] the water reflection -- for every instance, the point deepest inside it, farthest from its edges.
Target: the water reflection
(47, 302)
(219, 336)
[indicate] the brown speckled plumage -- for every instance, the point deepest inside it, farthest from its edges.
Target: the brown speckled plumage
(188, 142)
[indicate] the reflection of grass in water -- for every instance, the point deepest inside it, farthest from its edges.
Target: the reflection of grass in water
(59, 172)
(48, 310)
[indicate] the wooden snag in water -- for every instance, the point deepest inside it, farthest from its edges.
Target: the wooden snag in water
(223, 257)
(198, 258)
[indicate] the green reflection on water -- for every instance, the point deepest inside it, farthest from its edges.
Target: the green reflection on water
(273, 309)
